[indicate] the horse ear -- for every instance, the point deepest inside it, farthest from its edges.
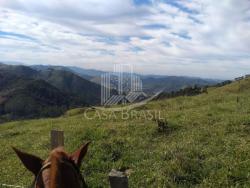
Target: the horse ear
(79, 154)
(31, 162)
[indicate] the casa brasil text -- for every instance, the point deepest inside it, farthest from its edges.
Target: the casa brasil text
(123, 114)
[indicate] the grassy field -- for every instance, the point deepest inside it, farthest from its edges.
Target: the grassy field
(207, 143)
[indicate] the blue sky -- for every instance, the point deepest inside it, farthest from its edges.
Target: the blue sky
(142, 2)
(205, 38)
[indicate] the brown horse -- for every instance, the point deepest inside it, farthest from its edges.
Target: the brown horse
(60, 170)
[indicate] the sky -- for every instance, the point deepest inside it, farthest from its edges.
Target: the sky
(201, 38)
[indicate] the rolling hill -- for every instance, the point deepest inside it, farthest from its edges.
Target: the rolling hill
(28, 93)
(206, 143)
(32, 99)
(22, 97)
(71, 83)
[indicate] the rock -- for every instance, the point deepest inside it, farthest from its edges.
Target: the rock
(118, 179)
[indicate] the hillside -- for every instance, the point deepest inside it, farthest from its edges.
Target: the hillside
(58, 76)
(206, 144)
(71, 83)
(27, 98)
(28, 93)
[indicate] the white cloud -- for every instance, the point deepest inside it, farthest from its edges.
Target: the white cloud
(205, 38)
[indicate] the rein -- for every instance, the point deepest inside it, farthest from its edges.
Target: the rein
(72, 165)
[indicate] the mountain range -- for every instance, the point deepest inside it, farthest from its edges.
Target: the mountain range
(150, 83)
(48, 91)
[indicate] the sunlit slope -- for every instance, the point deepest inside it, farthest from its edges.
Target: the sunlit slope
(207, 143)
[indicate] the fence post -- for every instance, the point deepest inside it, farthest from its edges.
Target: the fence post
(57, 139)
(118, 179)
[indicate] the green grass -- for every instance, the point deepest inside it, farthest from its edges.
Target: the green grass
(208, 144)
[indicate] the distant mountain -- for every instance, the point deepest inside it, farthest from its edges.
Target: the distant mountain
(18, 70)
(46, 67)
(45, 91)
(27, 92)
(153, 84)
(84, 73)
(71, 83)
(28, 98)
(60, 77)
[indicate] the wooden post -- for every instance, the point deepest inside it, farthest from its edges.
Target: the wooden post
(118, 179)
(57, 139)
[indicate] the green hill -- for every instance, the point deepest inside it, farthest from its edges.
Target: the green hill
(71, 83)
(206, 143)
(32, 98)
(28, 93)
(62, 79)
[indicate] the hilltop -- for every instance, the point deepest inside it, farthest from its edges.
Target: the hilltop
(206, 144)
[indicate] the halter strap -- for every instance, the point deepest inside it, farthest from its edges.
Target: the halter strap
(47, 165)
(75, 169)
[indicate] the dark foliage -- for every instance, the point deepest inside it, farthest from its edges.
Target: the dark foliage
(188, 91)
(223, 83)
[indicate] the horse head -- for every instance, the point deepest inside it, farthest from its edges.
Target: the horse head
(59, 170)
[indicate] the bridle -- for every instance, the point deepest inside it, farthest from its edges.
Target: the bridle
(68, 163)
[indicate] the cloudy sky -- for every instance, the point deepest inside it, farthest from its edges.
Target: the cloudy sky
(205, 38)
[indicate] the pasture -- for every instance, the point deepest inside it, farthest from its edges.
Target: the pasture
(207, 143)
